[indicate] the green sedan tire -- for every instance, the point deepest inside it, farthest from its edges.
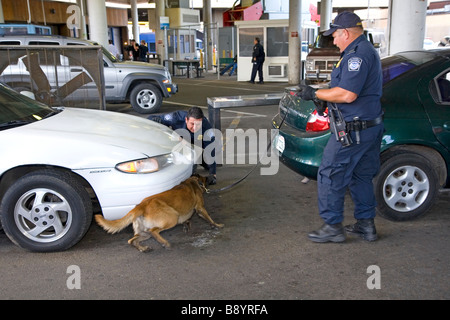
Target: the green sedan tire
(405, 187)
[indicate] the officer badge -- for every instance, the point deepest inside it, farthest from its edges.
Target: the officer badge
(354, 64)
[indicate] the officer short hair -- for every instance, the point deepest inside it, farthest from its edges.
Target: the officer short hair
(195, 112)
(257, 39)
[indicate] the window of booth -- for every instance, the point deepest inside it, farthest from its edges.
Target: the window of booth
(246, 38)
(277, 42)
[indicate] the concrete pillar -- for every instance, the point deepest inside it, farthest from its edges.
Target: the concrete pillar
(2, 18)
(160, 11)
(295, 40)
(207, 41)
(406, 25)
(135, 20)
(83, 30)
(98, 27)
(326, 8)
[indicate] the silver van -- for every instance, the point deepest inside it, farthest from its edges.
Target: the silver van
(142, 84)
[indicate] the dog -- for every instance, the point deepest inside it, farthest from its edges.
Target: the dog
(161, 212)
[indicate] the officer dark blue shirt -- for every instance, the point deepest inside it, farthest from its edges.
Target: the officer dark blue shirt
(359, 71)
(177, 120)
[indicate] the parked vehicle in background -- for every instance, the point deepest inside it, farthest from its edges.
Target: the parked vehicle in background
(321, 59)
(429, 44)
(142, 84)
(378, 40)
(444, 42)
(20, 28)
(415, 150)
(324, 55)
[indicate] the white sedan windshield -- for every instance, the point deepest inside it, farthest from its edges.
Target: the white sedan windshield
(16, 109)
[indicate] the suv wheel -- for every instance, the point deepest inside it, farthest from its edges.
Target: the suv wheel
(145, 98)
(405, 186)
(46, 211)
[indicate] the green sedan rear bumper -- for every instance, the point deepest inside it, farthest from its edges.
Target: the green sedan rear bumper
(298, 150)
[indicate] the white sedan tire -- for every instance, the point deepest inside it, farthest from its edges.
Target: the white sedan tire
(46, 210)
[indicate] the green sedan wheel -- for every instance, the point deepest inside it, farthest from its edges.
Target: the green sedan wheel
(405, 187)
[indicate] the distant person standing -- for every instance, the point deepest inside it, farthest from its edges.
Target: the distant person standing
(112, 48)
(133, 50)
(258, 57)
(143, 50)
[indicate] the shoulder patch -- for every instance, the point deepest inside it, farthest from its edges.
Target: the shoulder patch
(354, 64)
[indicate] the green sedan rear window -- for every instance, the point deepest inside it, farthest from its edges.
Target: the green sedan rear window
(396, 65)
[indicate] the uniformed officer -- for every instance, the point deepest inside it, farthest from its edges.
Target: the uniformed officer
(193, 121)
(355, 88)
(258, 58)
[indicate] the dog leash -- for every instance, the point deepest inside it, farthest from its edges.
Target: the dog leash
(209, 191)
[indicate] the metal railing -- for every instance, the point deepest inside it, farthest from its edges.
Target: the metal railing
(217, 103)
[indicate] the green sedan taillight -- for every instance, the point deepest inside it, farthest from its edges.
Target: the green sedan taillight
(317, 123)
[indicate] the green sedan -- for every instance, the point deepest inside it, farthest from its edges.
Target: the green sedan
(415, 151)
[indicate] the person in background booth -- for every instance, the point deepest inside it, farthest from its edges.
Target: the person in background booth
(258, 58)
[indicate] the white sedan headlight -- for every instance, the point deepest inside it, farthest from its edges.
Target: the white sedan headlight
(147, 165)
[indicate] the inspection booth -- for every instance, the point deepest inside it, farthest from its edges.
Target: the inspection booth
(274, 35)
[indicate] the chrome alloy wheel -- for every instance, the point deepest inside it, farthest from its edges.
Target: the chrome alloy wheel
(146, 99)
(43, 215)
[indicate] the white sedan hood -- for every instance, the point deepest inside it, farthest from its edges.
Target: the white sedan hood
(103, 138)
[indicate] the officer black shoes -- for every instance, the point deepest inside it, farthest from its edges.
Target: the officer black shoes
(364, 228)
(328, 233)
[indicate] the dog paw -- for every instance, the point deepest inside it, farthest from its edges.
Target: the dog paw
(187, 226)
(218, 225)
(145, 249)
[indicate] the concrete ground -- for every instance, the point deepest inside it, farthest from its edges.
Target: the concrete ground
(262, 253)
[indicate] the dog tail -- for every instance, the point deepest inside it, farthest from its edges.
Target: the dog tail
(114, 226)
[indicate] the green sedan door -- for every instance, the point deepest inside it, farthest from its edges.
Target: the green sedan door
(435, 96)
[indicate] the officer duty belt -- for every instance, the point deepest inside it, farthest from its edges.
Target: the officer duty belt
(358, 125)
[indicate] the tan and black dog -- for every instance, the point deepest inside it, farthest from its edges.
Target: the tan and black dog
(161, 212)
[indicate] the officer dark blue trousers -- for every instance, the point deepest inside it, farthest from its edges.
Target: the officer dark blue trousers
(351, 167)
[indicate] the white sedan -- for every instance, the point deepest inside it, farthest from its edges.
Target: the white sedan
(59, 165)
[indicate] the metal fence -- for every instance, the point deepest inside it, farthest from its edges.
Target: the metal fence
(70, 76)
